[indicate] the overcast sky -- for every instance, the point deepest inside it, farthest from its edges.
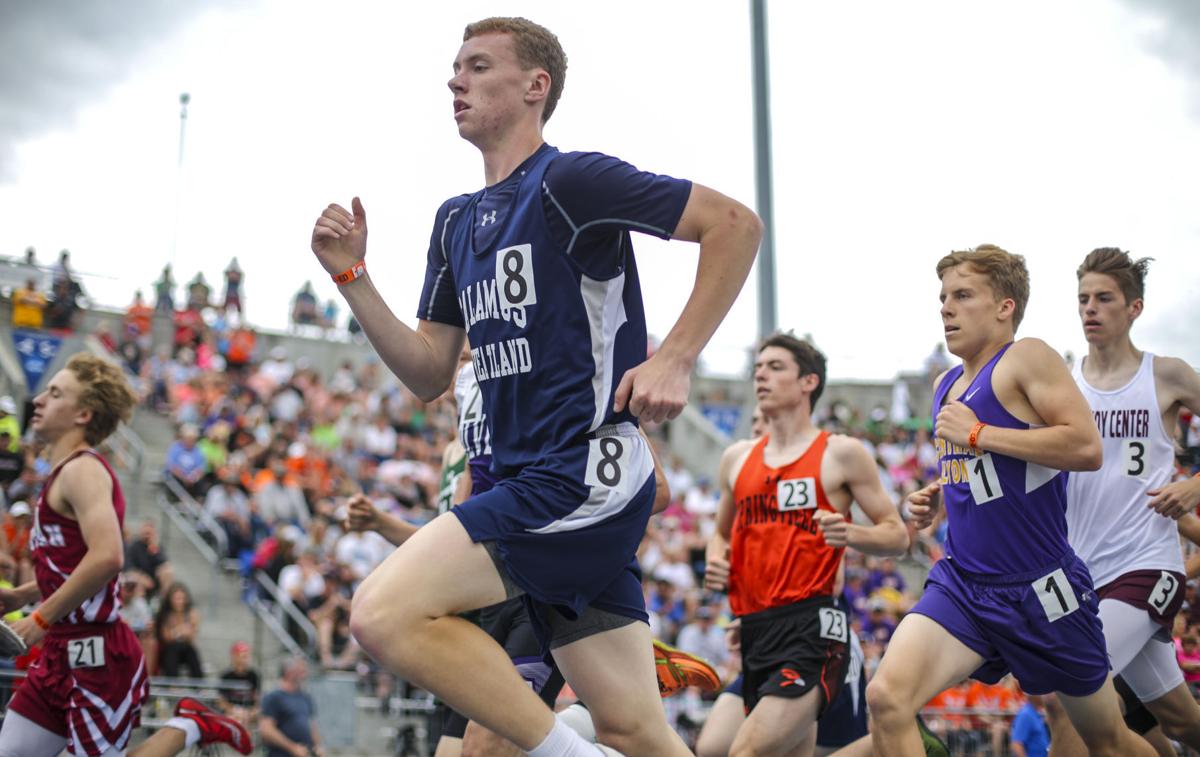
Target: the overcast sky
(901, 131)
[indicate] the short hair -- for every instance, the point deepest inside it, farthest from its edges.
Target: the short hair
(536, 47)
(1006, 274)
(106, 392)
(1129, 274)
(809, 358)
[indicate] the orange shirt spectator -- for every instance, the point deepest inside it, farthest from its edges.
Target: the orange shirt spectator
(995, 699)
(137, 317)
(16, 530)
(28, 307)
(955, 699)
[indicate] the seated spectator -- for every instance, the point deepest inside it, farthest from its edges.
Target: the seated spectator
(279, 497)
(27, 484)
(135, 610)
(878, 624)
(9, 422)
(12, 461)
(185, 461)
(362, 551)
(703, 637)
(8, 572)
(215, 446)
(231, 507)
(146, 556)
(302, 581)
(1188, 652)
(177, 624)
(17, 525)
(28, 307)
(240, 704)
(331, 615)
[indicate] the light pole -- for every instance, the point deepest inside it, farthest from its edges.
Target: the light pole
(763, 182)
(184, 99)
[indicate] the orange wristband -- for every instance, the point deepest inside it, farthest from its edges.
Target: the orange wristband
(973, 437)
(41, 622)
(351, 273)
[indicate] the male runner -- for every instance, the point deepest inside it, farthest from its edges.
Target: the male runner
(1010, 594)
(508, 623)
(538, 267)
(1113, 515)
(85, 692)
(782, 528)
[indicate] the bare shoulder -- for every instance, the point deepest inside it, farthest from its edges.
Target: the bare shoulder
(1033, 350)
(847, 449)
(733, 457)
(1172, 370)
(84, 471)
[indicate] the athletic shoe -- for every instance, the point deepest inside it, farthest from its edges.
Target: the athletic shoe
(934, 747)
(214, 727)
(678, 670)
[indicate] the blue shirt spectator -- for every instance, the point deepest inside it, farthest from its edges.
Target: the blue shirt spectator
(185, 461)
(1029, 732)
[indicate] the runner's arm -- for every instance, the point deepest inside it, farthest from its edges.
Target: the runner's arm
(363, 515)
(662, 490)
(88, 488)
(716, 571)
(1182, 384)
(424, 359)
(462, 487)
(1069, 440)
(1189, 528)
(886, 536)
(729, 234)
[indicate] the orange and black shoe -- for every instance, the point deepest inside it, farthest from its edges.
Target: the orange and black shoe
(678, 670)
(215, 728)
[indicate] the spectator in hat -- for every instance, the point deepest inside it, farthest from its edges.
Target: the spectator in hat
(240, 704)
(703, 637)
(17, 525)
(9, 422)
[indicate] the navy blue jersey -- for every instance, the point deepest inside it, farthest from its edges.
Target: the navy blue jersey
(539, 269)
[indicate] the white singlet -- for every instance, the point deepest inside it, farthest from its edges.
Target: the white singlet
(1108, 523)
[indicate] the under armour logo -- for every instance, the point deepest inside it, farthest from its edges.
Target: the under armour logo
(488, 218)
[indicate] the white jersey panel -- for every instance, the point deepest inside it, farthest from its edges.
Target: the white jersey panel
(1108, 523)
(473, 431)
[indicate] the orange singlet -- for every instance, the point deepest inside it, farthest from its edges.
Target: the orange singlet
(777, 553)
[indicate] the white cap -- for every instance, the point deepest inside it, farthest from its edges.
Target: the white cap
(7, 405)
(18, 509)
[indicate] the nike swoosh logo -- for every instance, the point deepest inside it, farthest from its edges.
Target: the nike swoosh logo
(970, 394)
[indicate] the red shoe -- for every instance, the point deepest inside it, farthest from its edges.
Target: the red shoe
(678, 670)
(214, 727)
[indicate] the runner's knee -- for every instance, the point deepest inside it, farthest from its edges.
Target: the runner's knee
(887, 702)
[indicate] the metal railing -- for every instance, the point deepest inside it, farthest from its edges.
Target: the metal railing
(197, 519)
(279, 612)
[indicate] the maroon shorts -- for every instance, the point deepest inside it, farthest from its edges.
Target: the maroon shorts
(1158, 592)
(88, 686)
